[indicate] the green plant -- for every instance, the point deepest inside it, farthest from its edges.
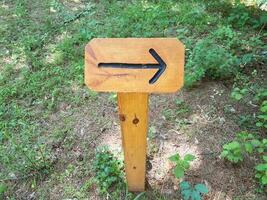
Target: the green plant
(112, 98)
(261, 94)
(209, 59)
(87, 185)
(226, 36)
(244, 143)
(152, 132)
(108, 170)
(241, 15)
(3, 188)
(261, 171)
(181, 165)
(262, 122)
(168, 114)
(232, 152)
(193, 193)
(181, 108)
(238, 93)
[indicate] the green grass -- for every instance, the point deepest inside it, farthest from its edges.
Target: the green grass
(41, 61)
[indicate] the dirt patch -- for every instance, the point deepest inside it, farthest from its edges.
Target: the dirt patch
(206, 130)
(201, 131)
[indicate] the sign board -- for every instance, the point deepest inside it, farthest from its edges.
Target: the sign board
(151, 65)
(134, 67)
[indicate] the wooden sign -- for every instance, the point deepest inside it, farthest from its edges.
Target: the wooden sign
(134, 65)
(134, 68)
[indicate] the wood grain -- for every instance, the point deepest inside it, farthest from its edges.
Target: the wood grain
(133, 51)
(133, 113)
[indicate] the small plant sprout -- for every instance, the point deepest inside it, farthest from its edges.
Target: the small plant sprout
(232, 152)
(193, 193)
(107, 170)
(262, 117)
(261, 171)
(244, 143)
(181, 165)
(238, 93)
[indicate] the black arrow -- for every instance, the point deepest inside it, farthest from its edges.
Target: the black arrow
(161, 66)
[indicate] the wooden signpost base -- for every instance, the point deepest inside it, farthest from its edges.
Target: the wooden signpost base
(133, 114)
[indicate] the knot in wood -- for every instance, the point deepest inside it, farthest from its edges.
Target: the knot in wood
(122, 117)
(135, 120)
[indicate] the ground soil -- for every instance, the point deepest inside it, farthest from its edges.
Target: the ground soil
(201, 131)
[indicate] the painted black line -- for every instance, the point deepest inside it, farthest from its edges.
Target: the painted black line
(161, 65)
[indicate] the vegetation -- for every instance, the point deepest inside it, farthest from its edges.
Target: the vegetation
(50, 122)
(193, 193)
(108, 171)
(244, 143)
(181, 165)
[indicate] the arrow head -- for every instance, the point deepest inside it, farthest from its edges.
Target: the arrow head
(161, 66)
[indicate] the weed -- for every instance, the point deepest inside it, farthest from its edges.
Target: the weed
(240, 16)
(238, 93)
(193, 193)
(181, 108)
(209, 59)
(168, 114)
(112, 98)
(108, 171)
(261, 171)
(262, 117)
(246, 143)
(152, 132)
(3, 188)
(232, 151)
(181, 165)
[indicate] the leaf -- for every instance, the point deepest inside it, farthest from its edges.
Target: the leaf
(261, 167)
(185, 164)
(265, 158)
(264, 117)
(263, 108)
(232, 145)
(201, 188)
(175, 157)
(260, 150)
(186, 194)
(178, 171)
(189, 157)
(258, 175)
(3, 188)
(184, 185)
(195, 195)
(249, 147)
(259, 124)
(264, 180)
(237, 96)
(224, 153)
(243, 91)
(255, 143)
(263, 18)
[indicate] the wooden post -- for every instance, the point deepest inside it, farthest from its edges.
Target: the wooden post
(133, 114)
(134, 68)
